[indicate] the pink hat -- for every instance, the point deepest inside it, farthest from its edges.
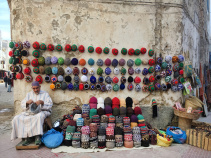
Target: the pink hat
(93, 105)
(109, 131)
(85, 130)
(93, 100)
(108, 62)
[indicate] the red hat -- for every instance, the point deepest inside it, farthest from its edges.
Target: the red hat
(181, 72)
(131, 51)
(151, 62)
(36, 45)
(151, 79)
(27, 70)
(39, 79)
(50, 47)
(34, 62)
(115, 80)
(81, 86)
(115, 51)
(115, 100)
(20, 76)
(11, 54)
(137, 79)
(93, 100)
(137, 111)
(68, 47)
(81, 48)
(107, 62)
(143, 50)
(98, 50)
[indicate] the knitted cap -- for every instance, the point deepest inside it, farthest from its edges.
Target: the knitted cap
(116, 111)
(114, 62)
(129, 102)
(92, 112)
(107, 62)
(129, 111)
(122, 102)
(108, 101)
(122, 62)
(130, 63)
(91, 61)
(122, 111)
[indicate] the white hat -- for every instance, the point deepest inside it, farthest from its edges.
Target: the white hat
(100, 105)
(84, 78)
(100, 100)
(109, 87)
(91, 71)
(116, 71)
(60, 78)
(76, 116)
(68, 70)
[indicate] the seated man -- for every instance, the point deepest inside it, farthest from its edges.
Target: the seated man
(27, 124)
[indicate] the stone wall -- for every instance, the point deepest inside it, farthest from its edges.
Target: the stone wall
(155, 24)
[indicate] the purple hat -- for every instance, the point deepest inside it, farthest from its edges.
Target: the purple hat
(130, 70)
(108, 110)
(54, 60)
(122, 62)
(145, 71)
(108, 71)
(133, 118)
(35, 83)
(74, 61)
(107, 62)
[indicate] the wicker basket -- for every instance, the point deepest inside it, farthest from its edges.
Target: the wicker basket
(161, 141)
(184, 114)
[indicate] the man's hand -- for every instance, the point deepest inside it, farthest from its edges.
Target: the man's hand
(29, 101)
(39, 102)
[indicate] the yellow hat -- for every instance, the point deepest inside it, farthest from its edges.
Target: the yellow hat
(122, 102)
(52, 86)
(26, 62)
(133, 124)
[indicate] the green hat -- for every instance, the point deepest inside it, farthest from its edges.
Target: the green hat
(74, 47)
(151, 69)
(151, 52)
(17, 52)
(36, 70)
(61, 61)
(182, 80)
(154, 102)
(168, 79)
(106, 50)
(43, 46)
(116, 87)
(11, 60)
(181, 65)
(36, 53)
(138, 62)
(91, 49)
(59, 47)
(123, 71)
(48, 70)
(41, 60)
(92, 112)
(140, 117)
(72, 129)
(99, 71)
(124, 51)
(151, 88)
(11, 44)
(76, 86)
(137, 52)
(164, 65)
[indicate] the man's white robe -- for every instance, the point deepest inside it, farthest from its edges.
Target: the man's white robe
(24, 126)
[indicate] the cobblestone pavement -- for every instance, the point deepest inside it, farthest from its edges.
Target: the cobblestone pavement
(7, 147)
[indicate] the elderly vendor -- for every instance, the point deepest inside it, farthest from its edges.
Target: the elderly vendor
(29, 124)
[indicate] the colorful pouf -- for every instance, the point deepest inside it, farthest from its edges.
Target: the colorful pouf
(157, 86)
(54, 60)
(151, 62)
(60, 61)
(157, 68)
(138, 62)
(34, 62)
(26, 44)
(12, 45)
(41, 60)
(151, 88)
(39, 79)
(91, 62)
(159, 60)
(145, 71)
(99, 71)
(168, 79)
(107, 62)
(168, 58)
(180, 58)
(28, 78)
(130, 87)
(151, 69)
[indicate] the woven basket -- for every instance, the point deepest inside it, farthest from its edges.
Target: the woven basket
(161, 141)
(184, 114)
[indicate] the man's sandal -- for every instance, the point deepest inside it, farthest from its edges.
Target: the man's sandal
(26, 142)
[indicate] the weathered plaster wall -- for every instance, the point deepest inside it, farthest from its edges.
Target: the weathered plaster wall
(115, 24)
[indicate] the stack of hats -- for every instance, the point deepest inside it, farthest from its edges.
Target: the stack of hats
(93, 103)
(108, 110)
(100, 106)
(118, 136)
(122, 109)
(119, 121)
(104, 121)
(87, 121)
(133, 121)
(92, 112)
(142, 125)
(76, 143)
(128, 136)
(85, 137)
(136, 137)
(93, 135)
(96, 119)
(129, 111)
(110, 138)
(80, 124)
(137, 110)
(101, 137)
(111, 121)
(68, 135)
(85, 110)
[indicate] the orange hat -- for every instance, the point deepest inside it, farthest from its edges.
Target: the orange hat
(175, 59)
(82, 62)
(26, 62)
(52, 87)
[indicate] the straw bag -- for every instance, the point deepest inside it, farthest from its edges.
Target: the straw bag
(161, 141)
(193, 102)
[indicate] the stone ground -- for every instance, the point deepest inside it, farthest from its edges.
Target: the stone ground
(7, 148)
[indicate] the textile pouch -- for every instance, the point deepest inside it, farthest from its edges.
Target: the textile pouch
(188, 69)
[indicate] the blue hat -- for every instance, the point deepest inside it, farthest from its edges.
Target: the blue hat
(100, 79)
(91, 61)
(93, 79)
(114, 62)
(92, 86)
(108, 79)
(108, 71)
(74, 61)
(122, 86)
(84, 71)
(54, 70)
(99, 62)
(70, 86)
(157, 68)
(145, 71)
(180, 86)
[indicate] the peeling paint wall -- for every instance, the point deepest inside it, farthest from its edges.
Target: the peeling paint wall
(154, 24)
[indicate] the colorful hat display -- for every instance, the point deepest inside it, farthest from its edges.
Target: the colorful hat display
(151, 69)
(70, 86)
(90, 49)
(115, 51)
(143, 50)
(151, 52)
(122, 86)
(68, 78)
(108, 87)
(54, 70)
(67, 61)
(116, 87)
(93, 79)
(121, 62)
(157, 86)
(164, 65)
(11, 53)
(174, 88)
(181, 65)
(151, 62)
(163, 73)
(130, 71)
(131, 51)
(168, 72)
(34, 62)
(145, 88)
(36, 45)
(146, 80)
(74, 47)
(98, 50)
(138, 88)
(43, 46)
(137, 70)
(176, 74)
(99, 62)
(91, 62)
(107, 62)
(99, 71)
(68, 47)
(81, 48)
(74, 61)
(76, 79)
(106, 50)
(157, 68)
(60, 71)
(68, 71)
(84, 78)
(176, 67)
(145, 71)
(174, 82)
(58, 85)
(108, 79)
(164, 87)
(36, 70)
(50, 47)
(53, 79)
(84, 71)
(180, 58)
(26, 62)
(130, 63)
(130, 87)
(168, 79)
(92, 71)
(35, 53)
(26, 44)
(123, 71)
(137, 79)
(151, 88)
(175, 59)
(116, 71)
(60, 78)
(159, 60)
(123, 79)
(101, 79)
(168, 58)
(115, 80)
(27, 70)
(137, 52)
(60, 61)
(180, 86)
(20, 75)
(39, 79)
(151, 79)
(169, 66)
(124, 51)
(48, 60)
(12, 44)
(28, 78)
